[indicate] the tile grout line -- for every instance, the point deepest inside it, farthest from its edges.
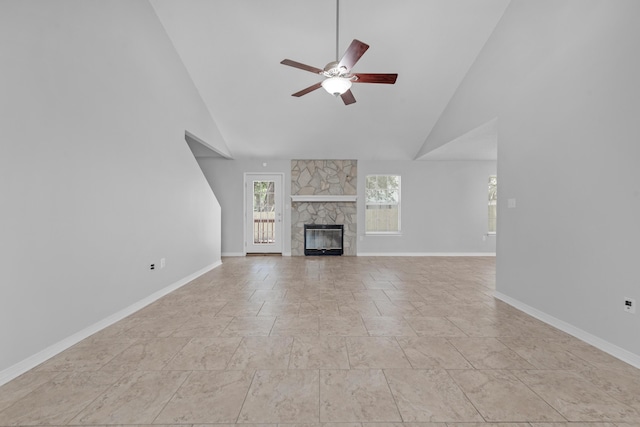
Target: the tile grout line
(172, 396)
(534, 392)
(255, 372)
(273, 325)
(467, 397)
(393, 396)
(459, 328)
(177, 352)
(404, 352)
(293, 341)
(319, 397)
(112, 385)
(226, 366)
(448, 340)
(33, 390)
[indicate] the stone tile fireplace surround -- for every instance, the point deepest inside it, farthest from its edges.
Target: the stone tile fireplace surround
(324, 192)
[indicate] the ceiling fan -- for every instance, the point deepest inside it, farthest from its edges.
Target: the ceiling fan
(338, 75)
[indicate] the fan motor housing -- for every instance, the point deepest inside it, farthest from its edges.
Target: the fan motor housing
(333, 70)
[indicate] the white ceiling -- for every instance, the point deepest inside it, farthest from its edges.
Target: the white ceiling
(232, 49)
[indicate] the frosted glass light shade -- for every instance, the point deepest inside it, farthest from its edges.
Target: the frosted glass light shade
(336, 85)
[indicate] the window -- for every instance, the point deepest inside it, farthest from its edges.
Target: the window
(493, 199)
(264, 208)
(382, 204)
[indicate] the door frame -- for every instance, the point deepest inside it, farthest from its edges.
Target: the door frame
(245, 210)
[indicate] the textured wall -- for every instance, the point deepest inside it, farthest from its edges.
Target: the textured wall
(324, 177)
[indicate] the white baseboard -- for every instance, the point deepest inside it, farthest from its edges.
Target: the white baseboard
(42, 356)
(617, 352)
(232, 254)
(427, 254)
(235, 254)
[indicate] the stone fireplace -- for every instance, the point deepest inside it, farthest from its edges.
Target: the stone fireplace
(324, 192)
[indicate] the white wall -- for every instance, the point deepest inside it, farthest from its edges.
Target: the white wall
(96, 180)
(577, 133)
(568, 153)
(226, 177)
(443, 207)
(444, 204)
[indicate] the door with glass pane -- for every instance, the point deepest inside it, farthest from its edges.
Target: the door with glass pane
(263, 213)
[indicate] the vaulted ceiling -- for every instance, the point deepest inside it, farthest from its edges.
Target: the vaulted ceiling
(232, 49)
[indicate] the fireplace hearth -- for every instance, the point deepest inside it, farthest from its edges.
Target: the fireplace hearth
(323, 239)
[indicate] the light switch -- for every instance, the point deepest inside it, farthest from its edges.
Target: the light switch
(511, 203)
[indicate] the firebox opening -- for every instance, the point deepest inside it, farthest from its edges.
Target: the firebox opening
(323, 239)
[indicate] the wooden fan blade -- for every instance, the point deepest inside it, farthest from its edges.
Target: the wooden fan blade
(355, 50)
(348, 97)
(376, 78)
(307, 90)
(301, 66)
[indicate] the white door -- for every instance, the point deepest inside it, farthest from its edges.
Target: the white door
(263, 219)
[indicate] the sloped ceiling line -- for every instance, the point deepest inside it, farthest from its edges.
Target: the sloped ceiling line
(480, 143)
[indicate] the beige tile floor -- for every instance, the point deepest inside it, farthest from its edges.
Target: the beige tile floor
(330, 341)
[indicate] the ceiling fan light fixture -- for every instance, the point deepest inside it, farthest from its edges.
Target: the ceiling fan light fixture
(336, 86)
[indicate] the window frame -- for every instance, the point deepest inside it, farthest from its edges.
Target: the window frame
(398, 204)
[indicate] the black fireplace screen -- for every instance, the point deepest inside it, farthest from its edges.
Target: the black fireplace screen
(323, 239)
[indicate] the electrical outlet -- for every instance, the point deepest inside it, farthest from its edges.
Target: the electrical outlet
(152, 267)
(630, 305)
(162, 262)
